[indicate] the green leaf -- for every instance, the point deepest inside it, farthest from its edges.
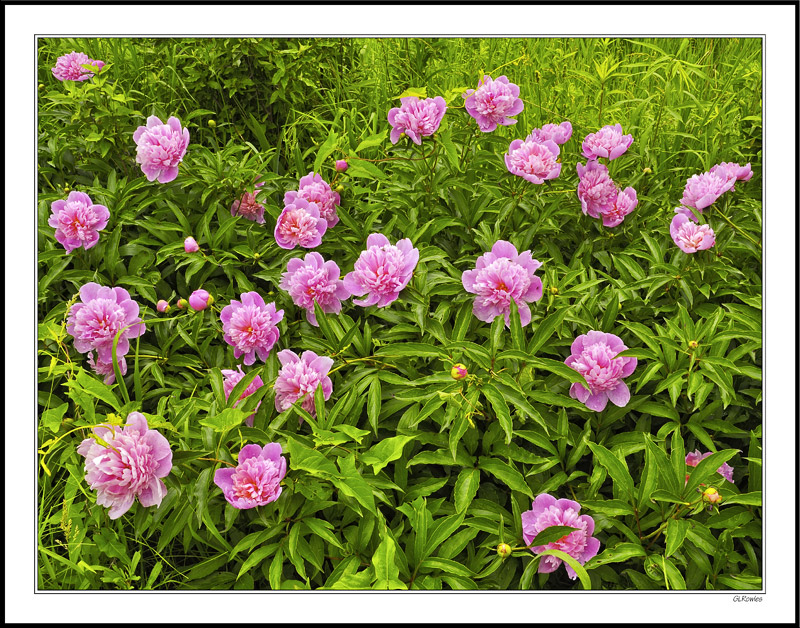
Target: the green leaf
(413, 349)
(374, 403)
(242, 385)
(546, 329)
(551, 534)
(364, 169)
(506, 474)
(225, 420)
(325, 150)
(576, 566)
(620, 553)
(747, 499)
(559, 368)
(386, 570)
(97, 389)
(617, 469)
(500, 408)
(465, 489)
(517, 335)
(675, 534)
(51, 419)
(611, 507)
(384, 452)
(372, 140)
(307, 459)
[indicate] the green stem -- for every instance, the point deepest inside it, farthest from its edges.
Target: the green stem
(730, 222)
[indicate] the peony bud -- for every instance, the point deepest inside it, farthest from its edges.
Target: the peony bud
(693, 344)
(200, 300)
(711, 495)
(162, 306)
(340, 188)
(553, 290)
(182, 304)
(212, 123)
(41, 85)
(459, 371)
(647, 171)
(341, 165)
(504, 550)
(190, 245)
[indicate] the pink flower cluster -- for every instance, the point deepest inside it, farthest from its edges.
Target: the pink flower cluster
(600, 197)
(129, 465)
(534, 161)
(160, 148)
(69, 67)
(314, 189)
(608, 142)
(382, 271)
(256, 479)
(493, 102)
(78, 221)
(94, 322)
(231, 379)
(547, 511)
(300, 376)
(416, 118)
(313, 279)
(300, 225)
(558, 133)
(693, 459)
(594, 357)
(500, 276)
(690, 236)
(250, 326)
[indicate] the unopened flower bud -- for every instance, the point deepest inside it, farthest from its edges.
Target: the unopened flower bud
(162, 306)
(340, 188)
(200, 299)
(341, 165)
(190, 245)
(647, 171)
(182, 304)
(459, 371)
(553, 290)
(693, 344)
(504, 550)
(41, 85)
(711, 495)
(212, 123)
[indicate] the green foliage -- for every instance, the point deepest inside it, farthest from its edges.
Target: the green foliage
(406, 478)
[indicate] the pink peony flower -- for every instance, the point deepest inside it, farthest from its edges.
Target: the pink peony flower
(251, 327)
(382, 271)
(313, 279)
(597, 192)
(200, 300)
(300, 224)
(729, 170)
(300, 376)
(78, 221)
(533, 161)
(162, 306)
(607, 142)
(416, 118)
(493, 102)
(103, 312)
(256, 480)
(559, 133)
(689, 236)
(160, 148)
(500, 276)
(314, 189)
(694, 457)
(341, 165)
(107, 368)
(703, 189)
(68, 67)
(248, 207)
(594, 357)
(190, 245)
(131, 466)
(625, 203)
(231, 379)
(548, 511)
